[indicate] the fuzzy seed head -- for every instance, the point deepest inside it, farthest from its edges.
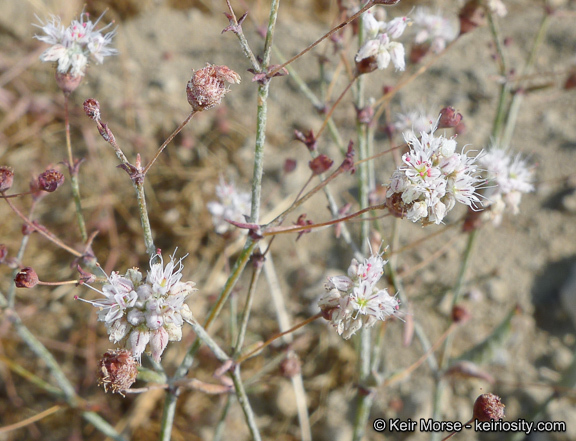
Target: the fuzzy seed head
(6, 178)
(207, 86)
(488, 407)
(117, 371)
(26, 278)
(50, 180)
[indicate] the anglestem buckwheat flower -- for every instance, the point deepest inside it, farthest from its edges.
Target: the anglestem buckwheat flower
(232, 205)
(354, 301)
(72, 46)
(433, 30)
(512, 176)
(433, 178)
(379, 48)
(417, 120)
(149, 312)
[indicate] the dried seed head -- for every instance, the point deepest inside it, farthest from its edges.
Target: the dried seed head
(92, 109)
(460, 314)
(488, 407)
(68, 82)
(6, 178)
(320, 164)
(50, 180)
(449, 118)
(207, 86)
(26, 278)
(117, 371)
(472, 15)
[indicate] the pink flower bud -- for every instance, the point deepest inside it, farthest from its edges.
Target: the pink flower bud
(50, 180)
(6, 178)
(26, 278)
(206, 88)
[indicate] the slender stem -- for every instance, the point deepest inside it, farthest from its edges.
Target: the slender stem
(325, 36)
(144, 219)
(42, 231)
(505, 87)
(328, 116)
(295, 229)
(207, 340)
(41, 352)
(73, 172)
(261, 117)
(167, 141)
(245, 404)
(247, 309)
(276, 337)
(219, 429)
(518, 97)
(243, 41)
(270, 32)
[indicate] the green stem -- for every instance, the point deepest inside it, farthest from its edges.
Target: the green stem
(245, 404)
(246, 312)
(144, 219)
(73, 173)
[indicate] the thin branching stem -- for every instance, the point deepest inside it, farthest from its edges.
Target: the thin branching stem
(73, 172)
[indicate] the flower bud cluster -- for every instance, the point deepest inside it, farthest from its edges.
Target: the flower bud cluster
(72, 46)
(146, 312)
(379, 47)
(432, 179)
(354, 301)
(512, 176)
(232, 205)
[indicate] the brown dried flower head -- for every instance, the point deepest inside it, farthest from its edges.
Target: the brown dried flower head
(117, 371)
(6, 178)
(26, 278)
(92, 109)
(50, 180)
(207, 86)
(488, 407)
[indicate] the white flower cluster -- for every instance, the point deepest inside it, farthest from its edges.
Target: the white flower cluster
(352, 302)
(232, 205)
(146, 312)
(433, 29)
(379, 44)
(432, 179)
(72, 46)
(511, 175)
(416, 120)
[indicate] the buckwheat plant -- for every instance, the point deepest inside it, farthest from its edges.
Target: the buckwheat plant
(363, 173)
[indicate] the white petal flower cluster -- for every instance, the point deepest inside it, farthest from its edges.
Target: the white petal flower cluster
(379, 42)
(71, 46)
(149, 312)
(433, 29)
(354, 301)
(432, 179)
(512, 176)
(232, 205)
(416, 120)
